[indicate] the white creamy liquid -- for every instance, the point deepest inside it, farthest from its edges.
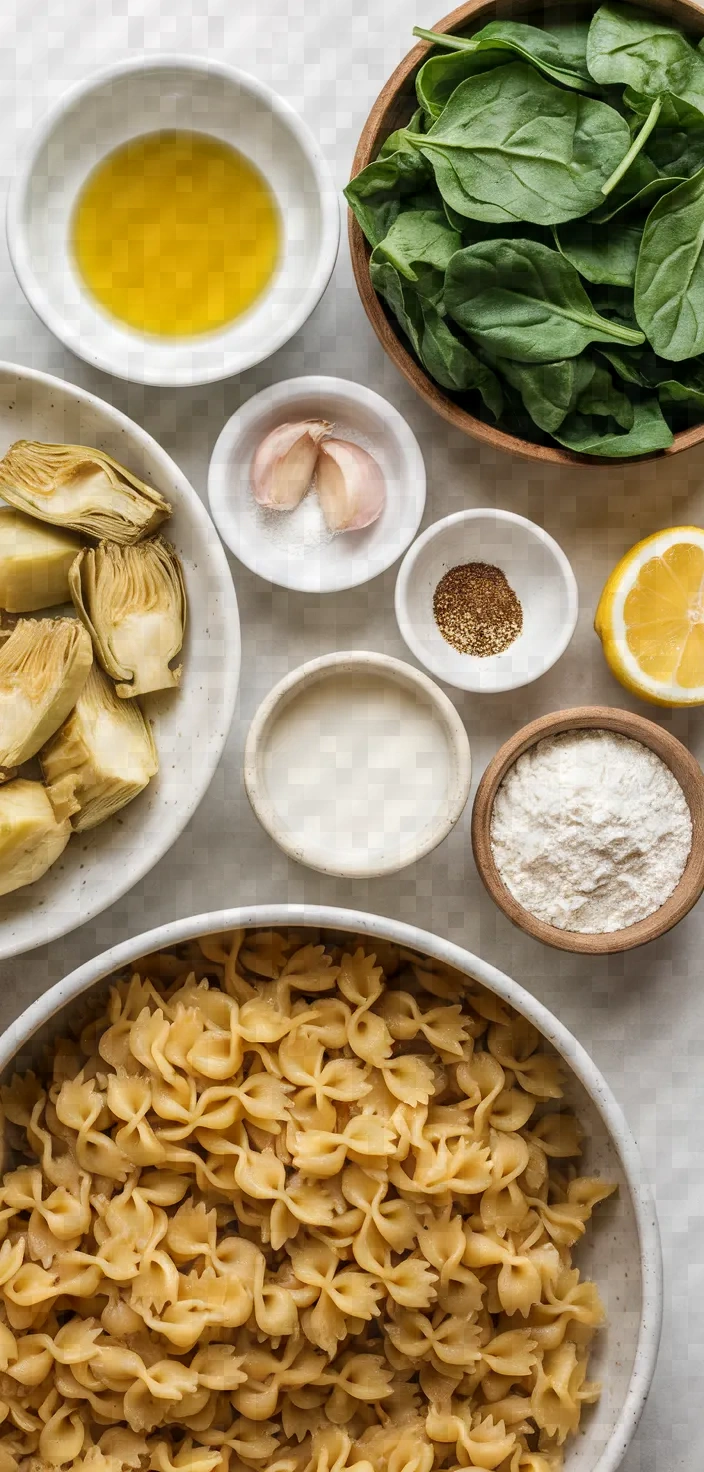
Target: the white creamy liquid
(357, 765)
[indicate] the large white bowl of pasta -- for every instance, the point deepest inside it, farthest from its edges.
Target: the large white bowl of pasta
(308, 1190)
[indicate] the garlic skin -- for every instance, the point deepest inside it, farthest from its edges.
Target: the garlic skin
(350, 485)
(283, 465)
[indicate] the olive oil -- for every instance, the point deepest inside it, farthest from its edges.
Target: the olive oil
(176, 233)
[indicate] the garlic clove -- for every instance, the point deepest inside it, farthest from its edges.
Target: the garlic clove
(283, 465)
(350, 486)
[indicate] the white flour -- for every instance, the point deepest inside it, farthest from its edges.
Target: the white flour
(590, 831)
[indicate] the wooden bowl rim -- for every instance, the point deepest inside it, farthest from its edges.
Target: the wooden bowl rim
(366, 150)
(684, 768)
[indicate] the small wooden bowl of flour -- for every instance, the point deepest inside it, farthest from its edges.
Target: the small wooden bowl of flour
(588, 830)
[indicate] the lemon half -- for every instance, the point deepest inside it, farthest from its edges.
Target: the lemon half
(650, 618)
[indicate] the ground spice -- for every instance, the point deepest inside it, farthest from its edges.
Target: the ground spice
(476, 609)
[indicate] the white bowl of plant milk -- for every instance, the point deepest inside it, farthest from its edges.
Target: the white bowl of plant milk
(357, 765)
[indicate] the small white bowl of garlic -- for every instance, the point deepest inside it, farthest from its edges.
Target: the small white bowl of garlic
(317, 484)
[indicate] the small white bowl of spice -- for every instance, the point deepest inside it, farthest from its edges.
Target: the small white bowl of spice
(486, 600)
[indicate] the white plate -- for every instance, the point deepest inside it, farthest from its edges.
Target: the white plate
(142, 96)
(190, 724)
(621, 1250)
(293, 548)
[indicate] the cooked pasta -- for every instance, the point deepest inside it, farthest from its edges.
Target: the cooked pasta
(280, 1208)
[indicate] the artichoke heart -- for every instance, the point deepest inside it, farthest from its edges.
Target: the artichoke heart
(34, 563)
(133, 602)
(103, 756)
(43, 667)
(77, 487)
(31, 835)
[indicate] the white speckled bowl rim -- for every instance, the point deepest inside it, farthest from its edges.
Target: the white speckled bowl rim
(350, 662)
(191, 724)
(275, 915)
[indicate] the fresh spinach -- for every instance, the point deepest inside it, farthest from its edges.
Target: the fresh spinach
(396, 141)
(448, 360)
(548, 390)
(601, 256)
(489, 156)
(375, 196)
(674, 112)
(628, 363)
(453, 365)
(440, 76)
(555, 53)
(420, 238)
(648, 433)
(637, 49)
(669, 289)
(602, 397)
(636, 148)
(518, 299)
(678, 152)
(587, 137)
(638, 203)
(686, 388)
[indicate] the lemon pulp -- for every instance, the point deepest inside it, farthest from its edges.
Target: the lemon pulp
(664, 616)
(650, 618)
(176, 233)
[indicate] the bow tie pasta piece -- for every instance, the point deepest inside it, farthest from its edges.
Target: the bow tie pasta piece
(277, 1214)
(409, 1079)
(444, 1028)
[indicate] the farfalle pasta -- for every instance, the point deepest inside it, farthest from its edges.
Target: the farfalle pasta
(286, 1209)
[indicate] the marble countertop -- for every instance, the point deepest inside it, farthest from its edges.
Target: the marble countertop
(641, 1015)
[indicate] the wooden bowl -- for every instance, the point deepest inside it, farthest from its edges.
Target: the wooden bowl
(392, 109)
(683, 767)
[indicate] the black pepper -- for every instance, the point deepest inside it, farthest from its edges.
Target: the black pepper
(476, 609)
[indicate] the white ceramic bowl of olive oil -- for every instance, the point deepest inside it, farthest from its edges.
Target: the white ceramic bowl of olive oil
(130, 228)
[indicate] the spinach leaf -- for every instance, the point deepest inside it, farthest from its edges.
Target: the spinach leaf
(636, 48)
(548, 390)
(555, 53)
(448, 361)
(403, 301)
(375, 195)
(571, 37)
(649, 432)
(457, 222)
(687, 389)
(602, 397)
(678, 151)
(518, 299)
(644, 369)
(419, 237)
(488, 148)
(639, 203)
(608, 256)
(674, 112)
(396, 142)
(628, 363)
(440, 76)
(453, 365)
(669, 290)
